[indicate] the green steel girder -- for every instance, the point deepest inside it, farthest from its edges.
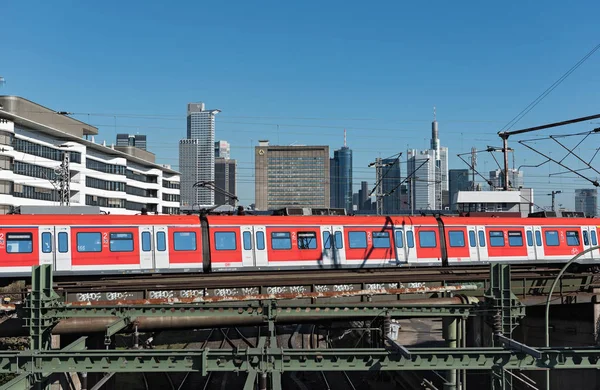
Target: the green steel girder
(281, 360)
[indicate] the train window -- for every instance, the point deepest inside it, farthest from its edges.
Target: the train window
(586, 240)
(89, 242)
(121, 242)
(247, 236)
(472, 239)
(281, 240)
(538, 238)
(551, 238)
(327, 240)
(456, 238)
(225, 241)
(399, 239)
(515, 238)
(46, 242)
(161, 241)
(410, 239)
(573, 238)
(496, 238)
(481, 235)
(381, 239)
(427, 239)
(307, 240)
(184, 241)
(19, 243)
(63, 242)
(146, 242)
(357, 240)
(529, 235)
(260, 241)
(594, 238)
(339, 242)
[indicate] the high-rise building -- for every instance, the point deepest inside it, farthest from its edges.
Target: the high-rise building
(340, 176)
(291, 176)
(363, 196)
(225, 179)
(222, 149)
(197, 156)
(135, 140)
(515, 179)
(586, 200)
(458, 181)
(422, 181)
(389, 173)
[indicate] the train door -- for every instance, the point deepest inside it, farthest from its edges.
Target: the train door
(586, 240)
(62, 248)
(410, 248)
(339, 254)
(46, 240)
(332, 250)
(261, 258)
(594, 242)
(248, 246)
(530, 243)
(400, 241)
(537, 242)
(482, 244)
(161, 245)
(146, 247)
(473, 250)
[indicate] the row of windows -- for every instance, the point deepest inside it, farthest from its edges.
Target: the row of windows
(21, 145)
(170, 210)
(92, 200)
(133, 175)
(171, 197)
(151, 208)
(29, 192)
(131, 190)
(25, 169)
(105, 167)
(92, 182)
(92, 242)
(170, 184)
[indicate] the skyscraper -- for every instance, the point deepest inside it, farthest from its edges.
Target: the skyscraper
(136, 140)
(364, 202)
(291, 176)
(197, 156)
(340, 176)
(390, 181)
(515, 179)
(222, 149)
(586, 200)
(225, 179)
(458, 181)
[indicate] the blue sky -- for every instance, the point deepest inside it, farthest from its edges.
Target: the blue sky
(302, 72)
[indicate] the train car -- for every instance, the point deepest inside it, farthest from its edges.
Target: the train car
(79, 244)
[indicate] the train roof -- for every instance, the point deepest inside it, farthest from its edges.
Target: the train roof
(97, 219)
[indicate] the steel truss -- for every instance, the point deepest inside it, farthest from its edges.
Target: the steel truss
(265, 363)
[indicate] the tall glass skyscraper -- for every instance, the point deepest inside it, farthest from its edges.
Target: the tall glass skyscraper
(340, 176)
(197, 156)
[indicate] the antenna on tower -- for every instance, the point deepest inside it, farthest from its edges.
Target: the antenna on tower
(434, 116)
(2, 81)
(344, 137)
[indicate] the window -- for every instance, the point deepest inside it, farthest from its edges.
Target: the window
(281, 240)
(121, 242)
(399, 239)
(225, 241)
(146, 242)
(327, 240)
(515, 238)
(586, 240)
(161, 241)
(357, 240)
(63, 242)
(104, 167)
(184, 241)
(472, 239)
(260, 241)
(381, 239)
(89, 242)
(247, 236)
(573, 238)
(427, 239)
(496, 238)
(538, 238)
(594, 238)
(410, 239)
(456, 238)
(46, 242)
(307, 240)
(19, 243)
(481, 238)
(529, 235)
(339, 242)
(552, 238)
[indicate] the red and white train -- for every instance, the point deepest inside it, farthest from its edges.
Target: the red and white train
(78, 244)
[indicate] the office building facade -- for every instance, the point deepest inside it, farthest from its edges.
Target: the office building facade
(225, 179)
(36, 141)
(340, 176)
(291, 176)
(586, 201)
(390, 175)
(422, 181)
(515, 179)
(197, 157)
(458, 181)
(136, 140)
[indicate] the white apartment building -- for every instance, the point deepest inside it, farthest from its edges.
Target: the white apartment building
(33, 141)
